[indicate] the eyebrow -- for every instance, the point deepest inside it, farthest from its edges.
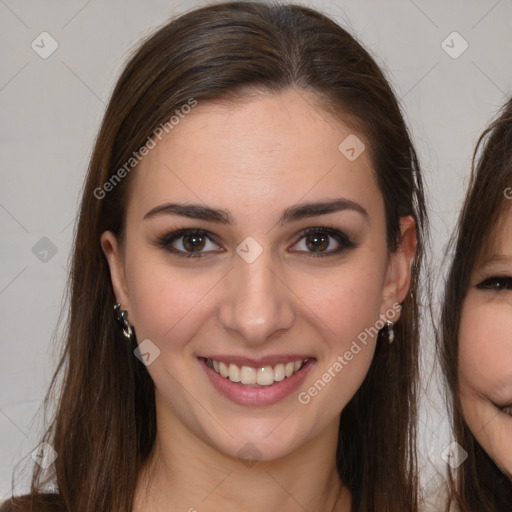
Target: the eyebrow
(291, 214)
(496, 260)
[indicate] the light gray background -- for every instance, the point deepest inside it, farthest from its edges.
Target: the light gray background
(51, 109)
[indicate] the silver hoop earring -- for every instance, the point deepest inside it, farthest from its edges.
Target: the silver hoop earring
(121, 318)
(391, 332)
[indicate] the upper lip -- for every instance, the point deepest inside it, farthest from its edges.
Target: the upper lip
(271, 360)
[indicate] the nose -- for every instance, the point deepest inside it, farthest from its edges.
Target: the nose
(257, 304)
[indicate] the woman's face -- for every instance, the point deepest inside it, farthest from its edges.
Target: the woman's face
(485, 350)
(259, 300)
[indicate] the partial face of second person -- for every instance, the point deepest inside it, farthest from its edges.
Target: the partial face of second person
(485, 348)
(284, 296)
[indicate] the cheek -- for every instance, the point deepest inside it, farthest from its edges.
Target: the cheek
(344, 299)
(165, 299)
(352, 304)
(347, 304)
(485, 359)
(485, 342)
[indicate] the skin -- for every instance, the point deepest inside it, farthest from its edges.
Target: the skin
(485, 350)
(254, 159)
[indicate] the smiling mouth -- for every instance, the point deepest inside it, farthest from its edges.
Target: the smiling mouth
(263, 376)
(507, 409)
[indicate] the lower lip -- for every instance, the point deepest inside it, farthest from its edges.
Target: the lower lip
(245, 395)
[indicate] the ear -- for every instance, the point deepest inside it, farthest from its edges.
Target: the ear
(112, 250)
(398, 276)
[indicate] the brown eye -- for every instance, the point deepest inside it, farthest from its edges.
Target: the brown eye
(189, 243)
(193, 242)
(316, 242)
(496, 283)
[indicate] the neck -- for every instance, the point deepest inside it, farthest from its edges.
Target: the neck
(184, 473)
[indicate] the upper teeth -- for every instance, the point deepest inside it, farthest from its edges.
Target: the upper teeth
(263, 376)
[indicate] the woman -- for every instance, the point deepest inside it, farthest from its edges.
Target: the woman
(254, 210)
(477, 329)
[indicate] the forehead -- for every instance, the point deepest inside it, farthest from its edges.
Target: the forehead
(259, 152)
(502, 233)
(498, 244)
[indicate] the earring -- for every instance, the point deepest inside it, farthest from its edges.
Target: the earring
(121, 318)
(391, 332)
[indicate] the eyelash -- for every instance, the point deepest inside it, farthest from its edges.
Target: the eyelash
(166, 240)
(496, 283)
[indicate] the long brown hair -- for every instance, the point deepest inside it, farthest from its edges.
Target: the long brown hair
(105, 424)
(477, 485)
